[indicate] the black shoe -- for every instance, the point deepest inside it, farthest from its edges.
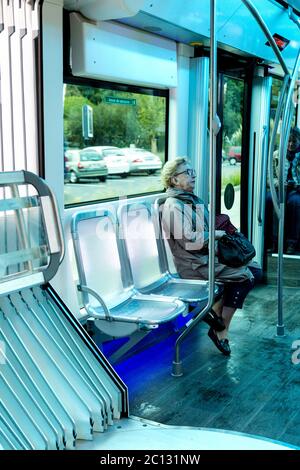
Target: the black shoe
(221, 344)
(212, 319)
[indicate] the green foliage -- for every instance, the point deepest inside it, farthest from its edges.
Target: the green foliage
(151, 112)
(233, 112)
(115, 124)
(72, 120)
(236, 137)
(234, 178)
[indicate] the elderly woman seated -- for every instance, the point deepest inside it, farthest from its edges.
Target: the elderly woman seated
(185, 223)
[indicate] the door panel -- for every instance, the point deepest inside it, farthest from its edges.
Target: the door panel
(232, 132)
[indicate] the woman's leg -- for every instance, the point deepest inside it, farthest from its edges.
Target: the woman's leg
(234, 296)
(217, 307)
(227, 314)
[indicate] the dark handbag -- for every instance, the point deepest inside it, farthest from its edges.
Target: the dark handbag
(223, 222)
(235, 250)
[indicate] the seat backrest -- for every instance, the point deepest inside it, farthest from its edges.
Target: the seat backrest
(137, 233)
(97, 256)
(164, 244)
(31, 239)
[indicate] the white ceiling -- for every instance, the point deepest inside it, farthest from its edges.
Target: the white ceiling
(189, 20)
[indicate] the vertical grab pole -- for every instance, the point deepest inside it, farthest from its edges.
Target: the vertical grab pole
(286, 124)
(214, 129)
(267, 33)
(279, 202)
(283, 92)
(1, 126)
(262, 185)
(214, 125)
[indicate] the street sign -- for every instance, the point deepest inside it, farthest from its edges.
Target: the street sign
(87, 122)
(114, 100)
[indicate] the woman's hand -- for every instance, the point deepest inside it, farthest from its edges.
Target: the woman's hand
(219, 234)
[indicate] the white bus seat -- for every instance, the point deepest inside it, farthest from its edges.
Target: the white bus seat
(56, 386)
(105, 282)
(139, 236)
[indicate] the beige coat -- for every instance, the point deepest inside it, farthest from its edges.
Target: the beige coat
(185, 225)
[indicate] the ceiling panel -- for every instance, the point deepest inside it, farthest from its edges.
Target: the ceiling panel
(188, 21)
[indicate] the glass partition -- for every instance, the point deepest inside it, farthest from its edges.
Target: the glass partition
(232, 144)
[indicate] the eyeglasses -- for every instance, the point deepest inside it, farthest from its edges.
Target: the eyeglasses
(188, 171)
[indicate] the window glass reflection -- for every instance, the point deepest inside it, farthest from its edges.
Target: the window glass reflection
(114, 142)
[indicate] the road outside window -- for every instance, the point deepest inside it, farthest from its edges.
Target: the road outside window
(114, 142)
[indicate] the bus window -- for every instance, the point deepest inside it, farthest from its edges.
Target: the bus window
(114, 141)
(232, 144)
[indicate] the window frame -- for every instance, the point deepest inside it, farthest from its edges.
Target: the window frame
(70, 79)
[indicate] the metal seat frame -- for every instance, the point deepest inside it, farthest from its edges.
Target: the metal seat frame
(56, 386)
(191, 291)
(131, 314)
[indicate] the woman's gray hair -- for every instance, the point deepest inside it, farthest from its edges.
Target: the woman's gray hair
(170, 169)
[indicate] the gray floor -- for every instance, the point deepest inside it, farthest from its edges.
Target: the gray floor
(256, 390)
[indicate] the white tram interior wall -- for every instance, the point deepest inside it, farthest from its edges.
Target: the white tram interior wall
(178, 67)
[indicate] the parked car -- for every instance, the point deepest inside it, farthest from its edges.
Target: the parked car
(142, 160)
(85, 164)
(234, 155)
(66, 169)
(115, 159)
